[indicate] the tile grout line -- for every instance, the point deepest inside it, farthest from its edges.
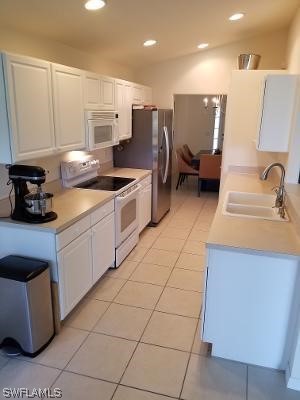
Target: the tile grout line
(141, 333)
(190, 354)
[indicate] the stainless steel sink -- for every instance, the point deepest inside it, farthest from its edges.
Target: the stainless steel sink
(252, 205)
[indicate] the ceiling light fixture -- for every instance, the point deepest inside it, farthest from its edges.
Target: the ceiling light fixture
(203, 45)
(236, 17)
(94, 4)
(150, 42)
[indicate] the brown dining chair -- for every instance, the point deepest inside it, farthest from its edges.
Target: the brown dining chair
(186, 155)
(210, 168)
(188, 150)
(184, 169)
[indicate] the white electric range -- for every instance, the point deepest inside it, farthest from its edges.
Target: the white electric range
(83, 174)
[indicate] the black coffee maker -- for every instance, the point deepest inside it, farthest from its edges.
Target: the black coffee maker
(36, 206)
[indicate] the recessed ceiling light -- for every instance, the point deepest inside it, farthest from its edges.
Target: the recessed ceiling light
(203, 45)
(236, 17)
(150, 42)
(94, 4)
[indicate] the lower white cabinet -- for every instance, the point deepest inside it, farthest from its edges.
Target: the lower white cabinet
(145, 203)
(85, 252)
(75, 270)
(250, 305)
(103, 245)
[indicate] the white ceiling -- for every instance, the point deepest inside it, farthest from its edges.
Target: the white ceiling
(118, 30)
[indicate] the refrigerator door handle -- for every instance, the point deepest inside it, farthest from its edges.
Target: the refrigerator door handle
(165, 129)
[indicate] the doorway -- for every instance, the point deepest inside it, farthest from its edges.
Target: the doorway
(199, 121)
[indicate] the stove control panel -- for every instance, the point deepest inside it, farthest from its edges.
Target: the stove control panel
(70, 170)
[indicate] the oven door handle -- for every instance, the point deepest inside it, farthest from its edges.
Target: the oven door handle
(120, 199)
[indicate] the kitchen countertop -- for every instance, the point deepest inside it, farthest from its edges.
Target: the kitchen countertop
(70, 206)
(73, 204)
(135, 173)
(247, 233)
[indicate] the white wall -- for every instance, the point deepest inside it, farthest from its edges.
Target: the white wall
(293, 375)
(50, 50)
(210, 71)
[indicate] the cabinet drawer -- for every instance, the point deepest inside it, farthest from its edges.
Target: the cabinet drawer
(102, 212)
(71, 233)
(146, 181)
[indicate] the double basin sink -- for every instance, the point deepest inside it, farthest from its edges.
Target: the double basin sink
(252, 205)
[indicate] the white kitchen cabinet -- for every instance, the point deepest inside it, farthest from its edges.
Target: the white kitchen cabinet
(29, 130)
(103, 245)
(75, 272)
(142, 94)
(145, 203)
(68, 107)
(277, 109)
(99, 92)
(147, 95)
(249, 306)
(123, 95)
(138, 94)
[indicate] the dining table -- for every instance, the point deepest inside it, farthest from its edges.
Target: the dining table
(195, 162)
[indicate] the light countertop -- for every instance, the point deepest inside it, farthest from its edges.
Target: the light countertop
(135, 173)
(73, 204)
(251, 233)
(70, 206)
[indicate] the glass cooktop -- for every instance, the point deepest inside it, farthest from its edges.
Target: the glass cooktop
(111, 183)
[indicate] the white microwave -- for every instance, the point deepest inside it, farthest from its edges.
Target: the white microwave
(102, 129)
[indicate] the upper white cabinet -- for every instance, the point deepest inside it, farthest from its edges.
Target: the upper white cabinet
(124, 99)
(42, 106)
(29, 131)
(99, 92)
(138, 94)
(278, 102)
(147, 95)
(68, 107)
(142, 94)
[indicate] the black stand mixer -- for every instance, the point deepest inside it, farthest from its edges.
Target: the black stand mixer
(33, 207)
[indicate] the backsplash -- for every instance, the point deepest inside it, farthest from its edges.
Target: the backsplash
(52, 164)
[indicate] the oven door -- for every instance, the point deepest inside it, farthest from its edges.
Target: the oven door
(127, 211)
(102, 133)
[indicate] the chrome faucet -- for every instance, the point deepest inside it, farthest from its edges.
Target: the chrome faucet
(279, 190)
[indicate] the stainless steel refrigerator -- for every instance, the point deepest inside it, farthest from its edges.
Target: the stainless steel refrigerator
(151, 148)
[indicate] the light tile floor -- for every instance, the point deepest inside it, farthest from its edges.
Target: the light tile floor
(136, 335)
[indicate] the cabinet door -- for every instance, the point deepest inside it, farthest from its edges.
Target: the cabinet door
(147, 95)
(128, 109)
(119, 97)
(108, 93)
(29, 96)
(138, 94)
(68, 108)
(75, 272)
(145, 207)
(92, 91)
(277, 112)
(103, 244)
(123, 96)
